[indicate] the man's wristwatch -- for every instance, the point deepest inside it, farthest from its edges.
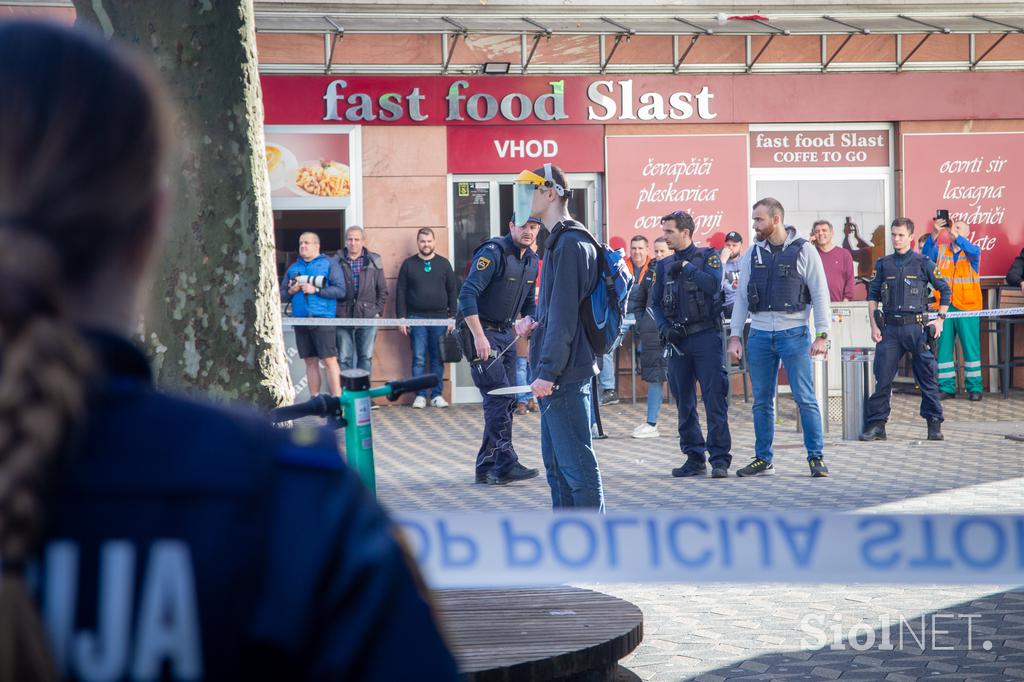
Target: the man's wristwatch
(822, 335)
(941, 316)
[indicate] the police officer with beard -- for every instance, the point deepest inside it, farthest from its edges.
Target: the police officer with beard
(901, 286)
(686, 304)
(501, 285)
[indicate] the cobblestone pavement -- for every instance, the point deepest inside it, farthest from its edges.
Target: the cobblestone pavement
(768, 632)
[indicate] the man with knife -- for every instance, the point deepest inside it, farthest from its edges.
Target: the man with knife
(499, 288)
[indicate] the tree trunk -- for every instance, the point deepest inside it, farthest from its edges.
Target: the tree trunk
(215, 319)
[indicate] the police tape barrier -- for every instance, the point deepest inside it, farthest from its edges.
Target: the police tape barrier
(553, 548)
(364, 322)
(992, 312)
(421, 322)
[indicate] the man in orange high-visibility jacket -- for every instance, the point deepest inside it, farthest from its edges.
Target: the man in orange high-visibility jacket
(959, 262)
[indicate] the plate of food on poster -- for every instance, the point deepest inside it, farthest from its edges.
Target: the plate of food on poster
(281, 166)
(322, 178)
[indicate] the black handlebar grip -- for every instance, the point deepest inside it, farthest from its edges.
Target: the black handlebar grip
(320, 406)
(414, 384)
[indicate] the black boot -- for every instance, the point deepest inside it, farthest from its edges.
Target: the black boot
(875, 431)
(935, 429)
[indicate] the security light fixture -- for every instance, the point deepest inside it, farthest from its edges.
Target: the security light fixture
(495, 68)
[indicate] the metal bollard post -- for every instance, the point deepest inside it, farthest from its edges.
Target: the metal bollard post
(858, 383)
(819, 369)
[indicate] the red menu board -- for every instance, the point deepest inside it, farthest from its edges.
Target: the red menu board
(651, 176)
(972, 175)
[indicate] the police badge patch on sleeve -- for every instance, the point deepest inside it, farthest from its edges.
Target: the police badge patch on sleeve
(937, 273)
(714, 261)
(483, 263)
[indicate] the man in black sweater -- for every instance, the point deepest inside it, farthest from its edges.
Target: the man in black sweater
(426, 290)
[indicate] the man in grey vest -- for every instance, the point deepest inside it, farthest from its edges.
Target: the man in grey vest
(781, 281)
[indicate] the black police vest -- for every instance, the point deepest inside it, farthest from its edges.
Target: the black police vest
(503, 298)
(904, 289)
(682, 300)
(775, 285)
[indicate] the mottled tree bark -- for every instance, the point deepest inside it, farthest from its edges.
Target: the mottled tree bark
(215, 320)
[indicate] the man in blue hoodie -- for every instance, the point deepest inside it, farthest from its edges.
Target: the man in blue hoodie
(313, 285)
(561, 358)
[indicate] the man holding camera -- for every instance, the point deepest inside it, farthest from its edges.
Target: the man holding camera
(959, 263)
(900, 285)
(686, 303)
(313, 285)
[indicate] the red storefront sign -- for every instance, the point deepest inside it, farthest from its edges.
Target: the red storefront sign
(651, 176)
(500, 149)
(818, 148)
(562, 100)
(975, 176)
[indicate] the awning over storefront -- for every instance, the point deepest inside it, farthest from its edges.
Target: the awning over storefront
(686, 29)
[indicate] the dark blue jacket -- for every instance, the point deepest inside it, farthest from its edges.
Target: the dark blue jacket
(324, 302)
(238, 551)
(559, 349)
(905, 294)
(707, 278)
(501, 284)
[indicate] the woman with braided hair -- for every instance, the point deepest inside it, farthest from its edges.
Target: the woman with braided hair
(145, 536)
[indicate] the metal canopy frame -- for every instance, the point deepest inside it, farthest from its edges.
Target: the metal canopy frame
(532, 29)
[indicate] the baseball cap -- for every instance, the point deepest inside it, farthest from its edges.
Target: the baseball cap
(734, 237)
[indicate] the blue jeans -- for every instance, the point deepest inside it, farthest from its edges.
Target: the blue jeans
(355, 347)
(567, 450)
(522, 378)
(606, 380)
(424, 341)
(655, 397)
(764, 352)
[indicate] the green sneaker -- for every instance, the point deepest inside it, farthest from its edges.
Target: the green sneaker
(818, 468)
(758, 467)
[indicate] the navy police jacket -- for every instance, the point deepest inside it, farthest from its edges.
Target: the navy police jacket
(500, 284)
(698, 286)
(196, 543)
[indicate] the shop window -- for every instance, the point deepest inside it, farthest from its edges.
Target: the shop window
(856, 207)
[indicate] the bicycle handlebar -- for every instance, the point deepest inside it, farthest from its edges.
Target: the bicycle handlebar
(330, 406)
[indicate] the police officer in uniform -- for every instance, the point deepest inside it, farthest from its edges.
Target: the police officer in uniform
(686, 305)
(500, 287)
(900, 285)
(166, 538)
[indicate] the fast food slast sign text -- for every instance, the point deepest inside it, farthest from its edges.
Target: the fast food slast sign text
(409, 100)
(606, 100)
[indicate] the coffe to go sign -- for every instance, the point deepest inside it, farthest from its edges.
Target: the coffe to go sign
(818, 148)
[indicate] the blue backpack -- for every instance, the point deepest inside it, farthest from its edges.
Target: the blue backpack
(603, 311)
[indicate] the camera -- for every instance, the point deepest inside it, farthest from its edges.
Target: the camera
(319, 281)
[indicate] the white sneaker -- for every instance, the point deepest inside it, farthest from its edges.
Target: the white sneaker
(438, 401)
(419, 403)
(645, 430)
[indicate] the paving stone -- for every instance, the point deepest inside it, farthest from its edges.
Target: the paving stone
(424, 461)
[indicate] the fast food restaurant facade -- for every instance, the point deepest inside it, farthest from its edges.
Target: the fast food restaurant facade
(392, 120)
(857, 147)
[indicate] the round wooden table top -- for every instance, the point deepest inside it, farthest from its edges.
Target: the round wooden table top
(537, 633)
